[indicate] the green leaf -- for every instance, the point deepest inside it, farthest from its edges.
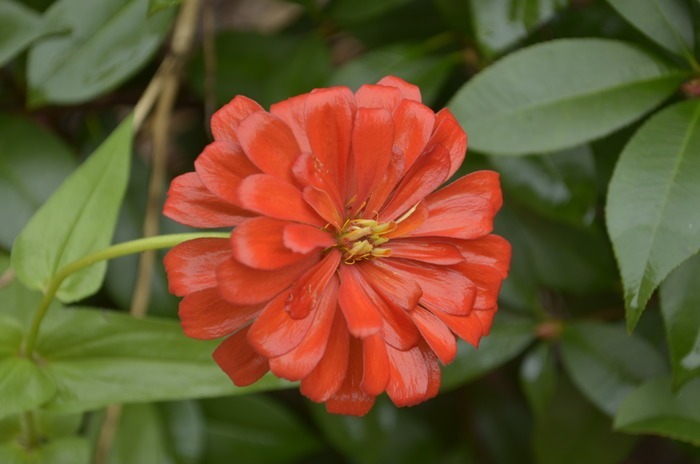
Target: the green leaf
(573, 432)
(48, 425)
(155, 6)
(108, 42)
(78, 219)
(23, 386)
(71, 450)
(680, 300)
(652, 214)
(561, 186)
(606, 363)
(509, 336)
(254, 429)
(353, 11)
(538, 377)
(19, 27)
(654, 408)
(553, 96)
(667, 22)
(24, 187)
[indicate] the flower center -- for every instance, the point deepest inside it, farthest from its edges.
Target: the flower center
(362, 239)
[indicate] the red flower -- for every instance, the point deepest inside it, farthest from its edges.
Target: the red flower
(345, 271)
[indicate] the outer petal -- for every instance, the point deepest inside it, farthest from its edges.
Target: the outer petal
(408, 91)
(468, 327)
(383, 189)
(377, 96)
(328, 375)
(429, 252)
(450, 135)
(307, 289)
(191, 265)
(269, 143)
(350, 398)
(409, 377)
(301, 238)
(276, 198)
(205, 315)
(190, 203)
(484, 184)
(259, 243)
(225, 121)
(244, 285)
(437, 335)
(291, 111)
(221, 167)
(236, 357)
(410, 221)
(414, 126)
(398, 288)
(460, 216)
(375, 375)
(359, 309)
(487, 280)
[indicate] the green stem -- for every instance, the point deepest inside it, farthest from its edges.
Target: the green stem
(30, 439)
(114, 251)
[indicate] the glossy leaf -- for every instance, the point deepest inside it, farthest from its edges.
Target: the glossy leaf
(19, 27)
(667, 22)
(108, 42)
(70, 450)
(606, 363)
(680, 300)
(254, 429)
(23, 187)
(652, 213)
(509, 336)
(538, 377)
(78, 219)
(655, 408)
(23, 385)
(552, 96)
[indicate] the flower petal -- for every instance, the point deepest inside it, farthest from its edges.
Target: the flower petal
(328, 375)
(360, 312)
(487, 280)
(414, 126)
(276, 198)
(377, 96)
(460, 216)
(408, 377)
(301, 238)
(311, 172)
(300, 361)
(221, 167)
(244, 285)
(410, 221)
(491, 250)
(238, 359)
(429, 252)
(484, 184)
(291, 111)
(307, 289)
(427, 173)
(274, 333)
(398, 288)
(375, 375)
(408, 91)
(190, 203)
(437, 335)
(191, 265)
(468, 327)
(386, 185)
(225, 121)
(269, 143)
(324, 205)
(486, 319)
(350, 398)
(205, 315)
(259, 243)
(450, 135)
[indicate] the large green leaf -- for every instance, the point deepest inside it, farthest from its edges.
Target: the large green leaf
(554, 95)
(509, 336)
(32, 166)
(23, 385)
(108, 41)
(667, 22)
(69, 450)
(680, 304)
(652, 214)
(538, 377)
(606, 363)
(655, 408)
(19, 27)
(78, 219)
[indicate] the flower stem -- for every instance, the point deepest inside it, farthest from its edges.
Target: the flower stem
(114, 251)
(30, 438)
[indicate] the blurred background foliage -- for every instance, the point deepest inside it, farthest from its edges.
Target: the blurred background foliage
(559, 380)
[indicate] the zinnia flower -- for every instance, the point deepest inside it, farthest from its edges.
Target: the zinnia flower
(346, 269)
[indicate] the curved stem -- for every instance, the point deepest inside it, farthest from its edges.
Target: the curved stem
(114, 251)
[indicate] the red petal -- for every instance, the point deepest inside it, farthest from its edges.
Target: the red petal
(328, 375)
(383, 189)
(221, 166)
(484, 184)
(310, 171)
(414, 125)
(329, 119)
(450, 135)
(491, 250)
(276, 198)
(191, 265)
(486, 319)
(238, 359)
(274, 333)
(190, 203)
(300, 361)
(487, 280)
(465, 217)
(225, 121)
(410, 222)
(205, 315)
(437, 335)
(426, 174)
(408, 91)
(350, 399)
(429, 252)
(304, 294)
(376, 365)
(244, 285)
(324, 205)
(408, 377)
(359, 310)
(377, 96)
(398, 288)
(301, 238)
(443, 288)
(372, 143)
(291, 111)
(269, 144)
(259, 243)
(468, 327)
